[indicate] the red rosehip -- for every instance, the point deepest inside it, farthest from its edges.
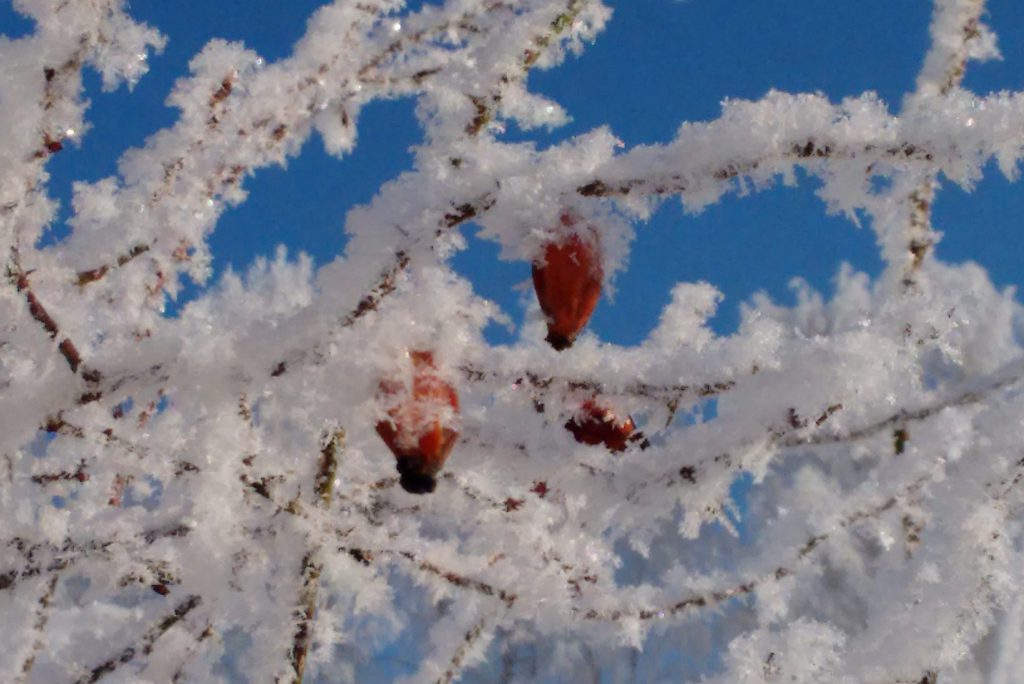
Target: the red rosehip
(595, 425)
(418, 429)
(568, 283)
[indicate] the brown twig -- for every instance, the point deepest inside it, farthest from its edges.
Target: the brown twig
(41, 558)
(800, 151)
(484, 106)
(66, 347)
(459, 657)
(387, 282)
(717, 597)
(797, 432)
(92, 275)
(920, 234)
(42, 617)
(813, 543)
(145, 645)
(540, 383)
(193, 649)
(311, 563)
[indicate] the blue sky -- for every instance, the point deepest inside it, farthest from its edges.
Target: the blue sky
(661, 62)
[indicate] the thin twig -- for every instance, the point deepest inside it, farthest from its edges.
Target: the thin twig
(459, 657)
(42, 617)
(797, 432)
(193, 649)
(311, 563)
(801, 151)
(145, 645)
(920, 234)
(67, 348)
(540, 383)
(484, 106)
(717, 597)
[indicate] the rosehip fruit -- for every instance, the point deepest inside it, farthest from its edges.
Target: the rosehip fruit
(418, 429)
(596, 425)
(568, 284)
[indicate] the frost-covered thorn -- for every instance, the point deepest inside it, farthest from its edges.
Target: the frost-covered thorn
(481, 117)
(597, 188)
(423, 74)
(92, 275)
(222, 92)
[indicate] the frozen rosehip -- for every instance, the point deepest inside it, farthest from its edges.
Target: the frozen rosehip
(595, 425)
(567, 279)
(418, 429)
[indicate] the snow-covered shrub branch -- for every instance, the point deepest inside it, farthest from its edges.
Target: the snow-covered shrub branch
(829, 494)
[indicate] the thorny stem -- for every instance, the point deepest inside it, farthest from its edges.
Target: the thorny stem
(193, 649)
(910, 491)
(798, 432)
(808, 150)
(387, 282)
(19, 278)
(920, 235)
(145, 645)
(42, 617)
(802, 151)
(717, 597)
(366, 556)
(311, 564)
(98, 273)
(45, 558)
(485, 106)
(539, 383)
(459, 657)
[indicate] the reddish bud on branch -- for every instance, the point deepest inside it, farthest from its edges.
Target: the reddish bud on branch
(419, 427)
(568, 282)
(594, 425)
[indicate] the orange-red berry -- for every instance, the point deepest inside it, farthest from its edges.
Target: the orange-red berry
(568, 283)
(419, 425)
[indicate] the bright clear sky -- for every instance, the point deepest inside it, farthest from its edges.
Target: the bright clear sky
(660, 63)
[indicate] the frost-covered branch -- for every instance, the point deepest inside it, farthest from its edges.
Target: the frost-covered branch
(957, 36)
(39, 627)
(311, 564)
(144, 646)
